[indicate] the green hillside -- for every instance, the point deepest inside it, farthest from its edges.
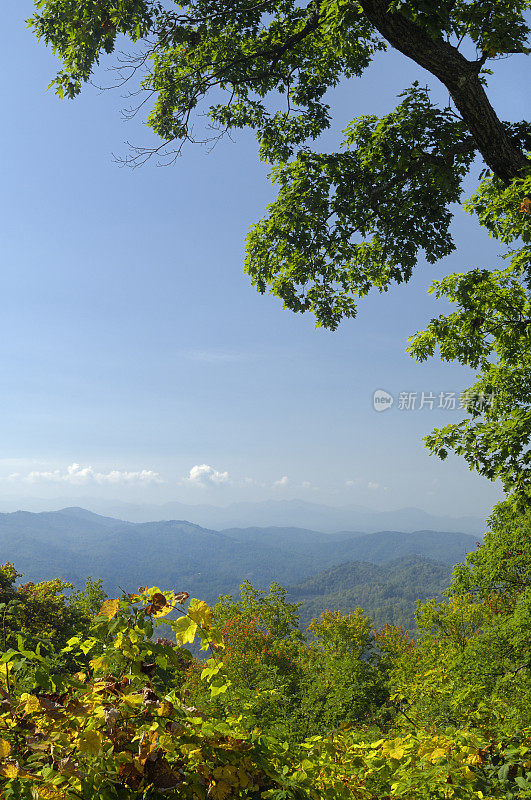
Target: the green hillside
(387, 593)
(74, 543)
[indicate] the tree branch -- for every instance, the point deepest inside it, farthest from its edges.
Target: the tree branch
(461, 77)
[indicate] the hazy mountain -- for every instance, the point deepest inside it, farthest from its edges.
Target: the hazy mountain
(73, 543)
(277, 513)
(291, 540)
(328, 549)
(300, 514)
(387, 593)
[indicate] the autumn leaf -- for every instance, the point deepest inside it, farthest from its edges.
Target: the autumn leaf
(109, 609)
(89, 742)
(150, 698)
(185, 629)
(396, 752)
(525, 206)
(5, 748)
(434, 749)
(9, 771)
(158, 600)
(50, 793)
(32, 705)
(159, 772)
(474, 758)
(201, 613)
(439, 752)
(166, 709)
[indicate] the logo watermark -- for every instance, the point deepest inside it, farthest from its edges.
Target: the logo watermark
(382, 400)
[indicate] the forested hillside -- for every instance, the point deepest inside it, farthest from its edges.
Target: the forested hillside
(387, 593)
(330, 549)
(75, 543)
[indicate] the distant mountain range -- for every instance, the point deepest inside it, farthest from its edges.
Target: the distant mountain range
(328, 549)
(73, 543)
(283, 513)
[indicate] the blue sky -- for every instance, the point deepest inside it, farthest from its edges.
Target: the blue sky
(133, 346)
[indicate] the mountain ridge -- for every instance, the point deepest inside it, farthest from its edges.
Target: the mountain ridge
(73, 544)
(270, 513)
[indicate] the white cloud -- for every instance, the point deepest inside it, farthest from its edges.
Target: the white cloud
(77, 475)
(205, 475)
(306, 485)
(281, 481)
(372, 485)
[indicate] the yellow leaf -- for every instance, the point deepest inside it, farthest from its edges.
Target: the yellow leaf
(162, 603)
(184, 629)
(165, 709)
(32, 704)
(201, 613)
(89, 742)
(133, 699)
(97, 663)
(26, 775)
(9, 771)
(439, 752)
(5, 748)
(393, 749)
(50, 793)
(109, 609)
(397, 753)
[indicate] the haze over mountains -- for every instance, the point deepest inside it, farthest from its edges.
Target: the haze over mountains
(283, 513)
(381, 570)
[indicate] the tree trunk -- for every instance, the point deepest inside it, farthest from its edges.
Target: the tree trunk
(460, 76)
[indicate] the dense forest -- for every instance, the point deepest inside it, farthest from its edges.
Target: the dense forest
(154, 693)
(387, 593)
(402, 568)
